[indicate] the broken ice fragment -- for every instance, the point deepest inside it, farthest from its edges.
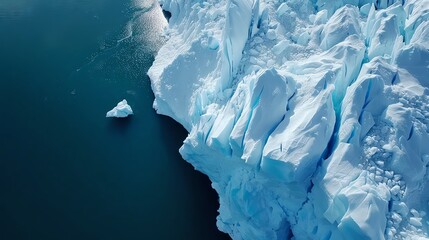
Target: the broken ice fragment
(121, 110)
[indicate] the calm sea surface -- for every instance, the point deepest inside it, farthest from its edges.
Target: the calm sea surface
(67, 172)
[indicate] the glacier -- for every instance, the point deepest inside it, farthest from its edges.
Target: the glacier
(310, 117)
(121, 110)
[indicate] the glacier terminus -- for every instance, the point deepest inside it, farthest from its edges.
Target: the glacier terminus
(310, 117)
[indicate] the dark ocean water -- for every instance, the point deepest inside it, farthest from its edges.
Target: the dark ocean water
(67, 172)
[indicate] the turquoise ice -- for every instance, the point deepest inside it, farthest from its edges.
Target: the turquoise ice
(311, 118)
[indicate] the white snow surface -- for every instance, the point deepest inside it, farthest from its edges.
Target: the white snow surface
(121, 110)
(310, 117)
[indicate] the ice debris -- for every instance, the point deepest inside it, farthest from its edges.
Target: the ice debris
(310, 117)
(121, 110)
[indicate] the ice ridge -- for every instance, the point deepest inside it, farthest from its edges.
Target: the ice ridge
(311, 118)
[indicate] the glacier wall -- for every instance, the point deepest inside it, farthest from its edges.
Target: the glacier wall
(311, 118)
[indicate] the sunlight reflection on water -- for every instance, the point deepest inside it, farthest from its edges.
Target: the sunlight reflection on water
(139, 29)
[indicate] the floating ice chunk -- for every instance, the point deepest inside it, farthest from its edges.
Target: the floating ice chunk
(121, 110)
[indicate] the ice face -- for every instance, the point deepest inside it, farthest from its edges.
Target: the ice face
(311, 118)
(121, 110)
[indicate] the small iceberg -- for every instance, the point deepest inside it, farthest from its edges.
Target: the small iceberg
(121, 110)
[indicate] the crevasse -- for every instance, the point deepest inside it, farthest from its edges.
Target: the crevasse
(311, 118)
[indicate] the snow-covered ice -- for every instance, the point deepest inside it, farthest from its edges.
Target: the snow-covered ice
(121, 110)
(310, 117)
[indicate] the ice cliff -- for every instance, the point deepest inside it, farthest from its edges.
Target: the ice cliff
(310, 117)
